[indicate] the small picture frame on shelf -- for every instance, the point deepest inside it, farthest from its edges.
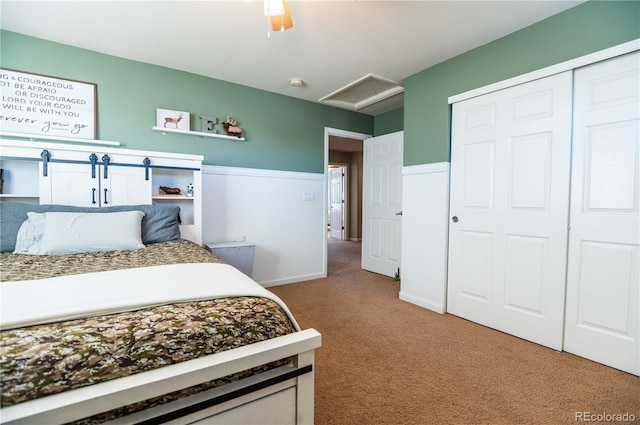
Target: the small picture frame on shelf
(174, 120)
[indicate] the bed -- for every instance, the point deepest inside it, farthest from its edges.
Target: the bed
(157, 330)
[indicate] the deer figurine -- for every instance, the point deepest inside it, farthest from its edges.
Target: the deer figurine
(173, 120)
(230, 128)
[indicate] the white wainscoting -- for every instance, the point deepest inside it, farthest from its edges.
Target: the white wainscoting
(268, 208)
(425, 228)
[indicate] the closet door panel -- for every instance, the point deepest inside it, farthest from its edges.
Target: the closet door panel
(478, 180)
(611, 152)
(602, 314)
(509, 208)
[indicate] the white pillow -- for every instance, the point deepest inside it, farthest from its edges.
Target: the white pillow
(30, 234)
(72, 233)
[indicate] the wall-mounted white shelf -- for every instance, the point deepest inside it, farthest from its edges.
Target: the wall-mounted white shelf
(198, 133)
(36, 137)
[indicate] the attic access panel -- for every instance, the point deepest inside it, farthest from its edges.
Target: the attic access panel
(366, 91)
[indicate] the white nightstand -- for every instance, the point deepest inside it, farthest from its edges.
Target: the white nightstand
(238, 254)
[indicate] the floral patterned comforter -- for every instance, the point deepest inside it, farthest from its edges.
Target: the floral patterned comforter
(46, 359)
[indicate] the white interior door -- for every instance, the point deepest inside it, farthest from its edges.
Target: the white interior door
(509, 207)
(602, 314)
(337, 203)
(382, 203)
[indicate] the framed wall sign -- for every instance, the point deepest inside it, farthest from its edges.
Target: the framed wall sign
(36, 104)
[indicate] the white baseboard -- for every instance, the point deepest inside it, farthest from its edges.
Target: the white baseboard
(302, 278)
(438, 308)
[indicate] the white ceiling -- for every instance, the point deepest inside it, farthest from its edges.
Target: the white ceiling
(332, 43)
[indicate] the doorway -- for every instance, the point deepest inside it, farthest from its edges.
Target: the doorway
(344, 150)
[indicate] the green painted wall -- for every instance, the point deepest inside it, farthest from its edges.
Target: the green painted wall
(389, 122)
(584, 29)
(282, 133)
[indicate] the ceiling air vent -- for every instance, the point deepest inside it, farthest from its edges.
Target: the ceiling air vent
(366, 91)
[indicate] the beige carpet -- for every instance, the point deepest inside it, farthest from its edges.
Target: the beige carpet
(385, 361)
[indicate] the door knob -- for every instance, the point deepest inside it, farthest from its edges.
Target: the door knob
(399, 213)
(455, 219)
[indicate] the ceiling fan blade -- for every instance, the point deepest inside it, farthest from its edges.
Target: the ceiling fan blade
(282, 22)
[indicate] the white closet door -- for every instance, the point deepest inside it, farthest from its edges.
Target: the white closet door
(602, 317)
(509, 209)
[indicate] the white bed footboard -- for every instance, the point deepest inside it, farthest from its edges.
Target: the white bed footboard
(288, 391)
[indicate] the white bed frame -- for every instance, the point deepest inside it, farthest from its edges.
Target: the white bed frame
(280, 396)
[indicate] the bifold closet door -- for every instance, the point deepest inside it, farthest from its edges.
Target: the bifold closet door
(509, 209)
(602, 314)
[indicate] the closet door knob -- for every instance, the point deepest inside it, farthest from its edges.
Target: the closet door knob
(455, 219)
(105, 197)
(93, 195)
